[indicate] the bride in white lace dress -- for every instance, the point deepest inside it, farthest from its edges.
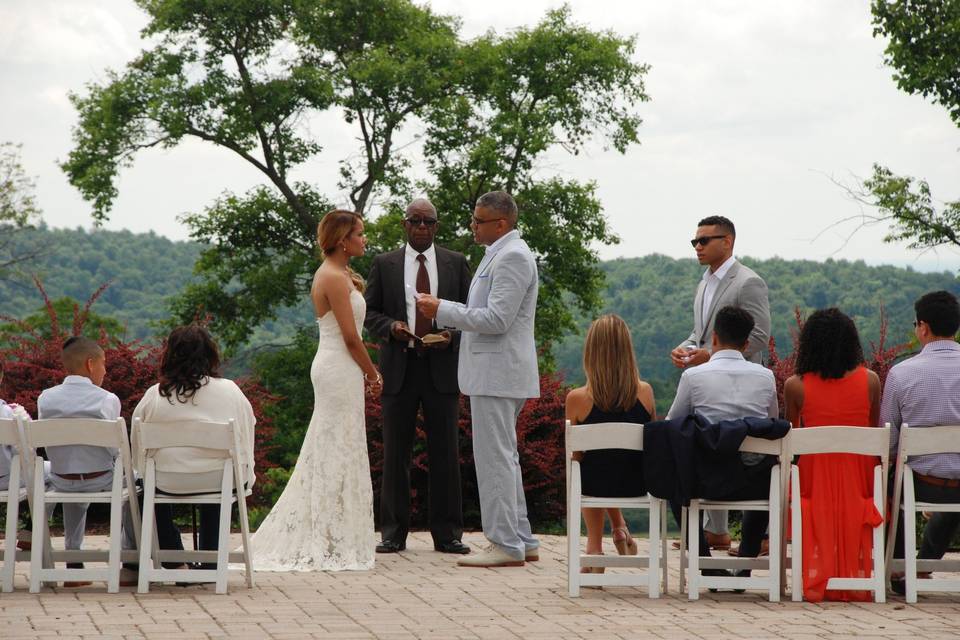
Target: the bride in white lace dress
(324, 519)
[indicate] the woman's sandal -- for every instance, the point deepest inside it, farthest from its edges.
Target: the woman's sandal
(625, 544)
(593, 570)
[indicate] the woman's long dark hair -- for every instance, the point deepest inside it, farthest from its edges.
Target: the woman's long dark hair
(829, 345)
(189, 356)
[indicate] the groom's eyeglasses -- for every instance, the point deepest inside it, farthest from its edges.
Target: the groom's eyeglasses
(416, 222)
(477, 221)
(704, 240)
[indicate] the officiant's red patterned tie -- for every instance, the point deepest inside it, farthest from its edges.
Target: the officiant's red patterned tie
(423, 286)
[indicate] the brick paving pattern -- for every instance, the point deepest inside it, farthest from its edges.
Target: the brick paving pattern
(422, 594)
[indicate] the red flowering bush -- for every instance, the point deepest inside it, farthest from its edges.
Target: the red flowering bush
(539, 442)
(32, 364)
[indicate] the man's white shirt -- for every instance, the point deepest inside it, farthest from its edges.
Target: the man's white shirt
(411, 266)
(712, 281)
(78, 397)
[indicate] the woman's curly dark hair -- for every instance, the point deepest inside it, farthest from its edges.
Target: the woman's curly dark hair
(189, 356)
(829, 345)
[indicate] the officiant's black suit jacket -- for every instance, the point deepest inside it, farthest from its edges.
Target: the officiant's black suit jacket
(386, 303)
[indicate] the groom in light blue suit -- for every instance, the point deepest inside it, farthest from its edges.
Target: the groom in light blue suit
(498, 370)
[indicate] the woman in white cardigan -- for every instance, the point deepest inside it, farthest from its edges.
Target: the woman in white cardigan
(190, 389)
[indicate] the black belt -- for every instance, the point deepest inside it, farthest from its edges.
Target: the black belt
(82, 476)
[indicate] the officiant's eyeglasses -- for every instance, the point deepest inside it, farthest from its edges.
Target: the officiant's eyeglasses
(704, 240)
(477, 221)
(416, 222)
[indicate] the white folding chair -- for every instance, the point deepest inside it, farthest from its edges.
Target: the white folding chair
(868, 441)
(692, 564)
(79, 431)
(217, 436)
(11, 497)
(919, 441)
(611, 435)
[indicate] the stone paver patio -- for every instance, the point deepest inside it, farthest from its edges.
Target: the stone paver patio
(422, 594)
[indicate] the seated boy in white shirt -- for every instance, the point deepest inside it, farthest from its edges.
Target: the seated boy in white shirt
(80, 468)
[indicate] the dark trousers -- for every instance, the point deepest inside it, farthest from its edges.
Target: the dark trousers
(754, 524)
(941, 527)
(168, 534)
(440, 414)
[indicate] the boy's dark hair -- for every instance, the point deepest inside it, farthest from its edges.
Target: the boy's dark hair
(77, 350)
(732, 326)
(940, 310)
(724, 223)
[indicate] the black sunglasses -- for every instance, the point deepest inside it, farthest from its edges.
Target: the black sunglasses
(416, 222)
(704, 240)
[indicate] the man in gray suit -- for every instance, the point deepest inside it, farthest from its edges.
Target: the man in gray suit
(725, 282)
(498, 370)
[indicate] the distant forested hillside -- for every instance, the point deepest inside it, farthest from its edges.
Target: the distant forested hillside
(654, 294)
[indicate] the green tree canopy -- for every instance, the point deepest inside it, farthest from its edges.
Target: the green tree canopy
(924, 51)
(18, 210)
(246, 74)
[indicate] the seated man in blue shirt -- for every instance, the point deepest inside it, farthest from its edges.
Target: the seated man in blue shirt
(730, 387)
(924, 391)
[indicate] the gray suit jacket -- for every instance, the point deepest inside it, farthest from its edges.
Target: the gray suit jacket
(498, 354)
(743, 288)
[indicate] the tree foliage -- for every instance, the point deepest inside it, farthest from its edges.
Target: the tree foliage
(18, 210)
(924, 50)
(249, 76)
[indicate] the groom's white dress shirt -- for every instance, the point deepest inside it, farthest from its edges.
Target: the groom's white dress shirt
(218, 400)
(78, 397)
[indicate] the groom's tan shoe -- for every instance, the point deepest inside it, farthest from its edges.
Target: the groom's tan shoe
(532, 555)
(492, 556)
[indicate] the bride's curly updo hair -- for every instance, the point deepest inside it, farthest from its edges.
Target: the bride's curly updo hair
(189, 356)
(333, 229)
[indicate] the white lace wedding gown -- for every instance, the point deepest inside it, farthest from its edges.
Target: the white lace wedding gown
(323, 521)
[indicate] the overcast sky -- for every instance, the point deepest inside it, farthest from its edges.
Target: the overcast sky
(755, 107)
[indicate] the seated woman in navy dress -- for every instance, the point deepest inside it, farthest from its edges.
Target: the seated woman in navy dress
(613, 393)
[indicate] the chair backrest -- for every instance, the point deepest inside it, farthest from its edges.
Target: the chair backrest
(9, 434)
(604, 435)
(868, 441)
(152, 436)
(920, 441)
(763, 445)
(73, 431)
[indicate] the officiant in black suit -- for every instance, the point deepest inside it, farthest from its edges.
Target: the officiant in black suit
(418, 376)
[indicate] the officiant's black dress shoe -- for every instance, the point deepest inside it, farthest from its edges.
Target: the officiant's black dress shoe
(389, 546)
(453, 546)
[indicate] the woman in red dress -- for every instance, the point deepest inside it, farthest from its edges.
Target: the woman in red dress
(833, 388)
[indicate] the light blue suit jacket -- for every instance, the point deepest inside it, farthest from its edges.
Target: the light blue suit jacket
(498, 354)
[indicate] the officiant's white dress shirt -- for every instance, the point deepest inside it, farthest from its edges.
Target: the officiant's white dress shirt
(218, 400)
(78, 397)
(411, 266)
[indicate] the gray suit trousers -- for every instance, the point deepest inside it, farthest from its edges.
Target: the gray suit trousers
(503, 506)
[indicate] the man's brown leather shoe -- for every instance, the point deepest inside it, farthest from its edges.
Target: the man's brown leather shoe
(73, 584)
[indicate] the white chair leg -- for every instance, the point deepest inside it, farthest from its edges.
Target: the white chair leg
(663, 545)
(796, 538)
(41, 531)
(653, 566)
(879, 572)
(910, 536)
(774, 533)
(693, 550)
(684, 516)
(245, 534)
(573, 532)
(10, 552)
(116, 508)
(147, 529)
(223, 546)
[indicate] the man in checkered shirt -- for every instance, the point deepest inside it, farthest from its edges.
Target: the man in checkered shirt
(924, 391)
